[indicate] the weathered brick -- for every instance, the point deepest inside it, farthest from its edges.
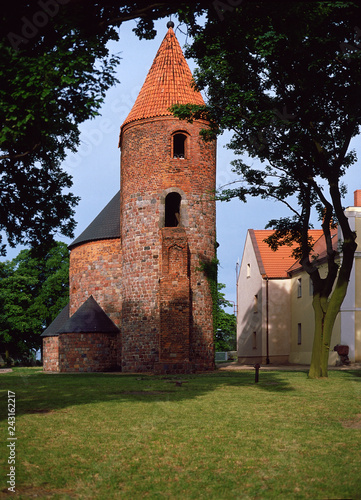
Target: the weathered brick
(150, 281)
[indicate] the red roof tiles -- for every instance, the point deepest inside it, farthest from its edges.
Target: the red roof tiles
(277, 264)
(169, 81)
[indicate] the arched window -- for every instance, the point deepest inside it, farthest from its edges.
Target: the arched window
(172, 210)
(179, 141)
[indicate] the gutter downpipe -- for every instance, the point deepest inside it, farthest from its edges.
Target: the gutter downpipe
(267, 322)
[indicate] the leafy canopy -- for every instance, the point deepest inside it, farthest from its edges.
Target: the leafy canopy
(53, 78)
(32, 293)
(286, 79)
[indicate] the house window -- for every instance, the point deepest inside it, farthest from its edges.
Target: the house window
(299, 333)
(172, 210)
(248, 270)
(299, 287)
(179, 141)
(254, 340)
(255, 304)
(311, 287)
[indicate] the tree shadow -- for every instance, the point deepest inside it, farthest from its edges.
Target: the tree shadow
(38, 393)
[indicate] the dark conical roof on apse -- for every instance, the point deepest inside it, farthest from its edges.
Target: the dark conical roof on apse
(106, 224)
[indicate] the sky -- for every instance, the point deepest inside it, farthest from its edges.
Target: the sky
(95, 168)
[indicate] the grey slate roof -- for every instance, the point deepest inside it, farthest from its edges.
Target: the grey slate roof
(106, 224)
(62, 317)
(89, 318)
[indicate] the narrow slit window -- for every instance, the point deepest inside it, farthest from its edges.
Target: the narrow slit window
(179, 141)
(299, 333)
(299, 287)
(172, 210)
(311, 287)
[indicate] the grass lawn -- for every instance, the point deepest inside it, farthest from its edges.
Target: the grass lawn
(215, 436)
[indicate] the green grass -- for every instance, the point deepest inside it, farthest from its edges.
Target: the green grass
(217, 436)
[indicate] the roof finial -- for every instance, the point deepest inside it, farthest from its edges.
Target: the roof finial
(170, 24)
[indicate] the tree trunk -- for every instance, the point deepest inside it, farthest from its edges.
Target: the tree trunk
(316, 367)
(326, 311)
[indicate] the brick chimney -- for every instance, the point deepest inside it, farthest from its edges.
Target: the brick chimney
(357, 197)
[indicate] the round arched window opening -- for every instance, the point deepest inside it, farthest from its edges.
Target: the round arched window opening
(179, 141)
(172, 210)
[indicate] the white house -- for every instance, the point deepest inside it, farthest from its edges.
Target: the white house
(275, 319)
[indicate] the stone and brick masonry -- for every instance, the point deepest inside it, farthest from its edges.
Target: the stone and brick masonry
(148, 174)
(148, 278)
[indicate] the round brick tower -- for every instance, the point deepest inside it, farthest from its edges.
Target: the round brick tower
(167, 224)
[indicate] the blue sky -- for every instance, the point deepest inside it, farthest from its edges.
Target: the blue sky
(96, 166)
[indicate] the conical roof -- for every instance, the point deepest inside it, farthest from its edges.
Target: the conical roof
(169, 81)
(53, 328)
(89, 318)
(106, 224)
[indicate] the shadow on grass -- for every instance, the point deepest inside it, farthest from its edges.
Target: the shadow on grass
(37, 392)
(355, 375)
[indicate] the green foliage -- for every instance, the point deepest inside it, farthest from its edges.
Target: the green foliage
(225, 338)
(51, 81)
(33, 291)
(286, 79)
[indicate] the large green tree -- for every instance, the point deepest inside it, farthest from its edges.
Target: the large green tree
(33, 291)
(55, 68)
(286, 79)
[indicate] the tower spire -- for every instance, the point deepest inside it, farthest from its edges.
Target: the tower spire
(169, 81)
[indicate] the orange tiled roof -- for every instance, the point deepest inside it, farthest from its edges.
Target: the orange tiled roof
(275, 264)
(319, 248)
(169, 81)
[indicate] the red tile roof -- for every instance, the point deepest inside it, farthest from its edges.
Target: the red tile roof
(277, 264)
(169, 81)
(319, 251)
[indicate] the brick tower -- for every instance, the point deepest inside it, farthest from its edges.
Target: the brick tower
(139, 299)
(167, 224)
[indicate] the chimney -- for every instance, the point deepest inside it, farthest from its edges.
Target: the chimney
(357, 196)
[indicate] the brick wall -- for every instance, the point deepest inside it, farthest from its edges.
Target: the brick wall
(174, 297)
(87, 352)
(51, 354)
(148, 173)
(95, 269)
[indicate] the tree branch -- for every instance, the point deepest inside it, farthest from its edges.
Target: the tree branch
(19, 155)
(163, 8)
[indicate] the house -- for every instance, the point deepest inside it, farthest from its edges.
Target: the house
(275, 319)
(139, 300)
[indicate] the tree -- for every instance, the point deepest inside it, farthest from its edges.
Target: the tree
(286, 79)
(226, 324)
(55, 71)
(32, 293)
